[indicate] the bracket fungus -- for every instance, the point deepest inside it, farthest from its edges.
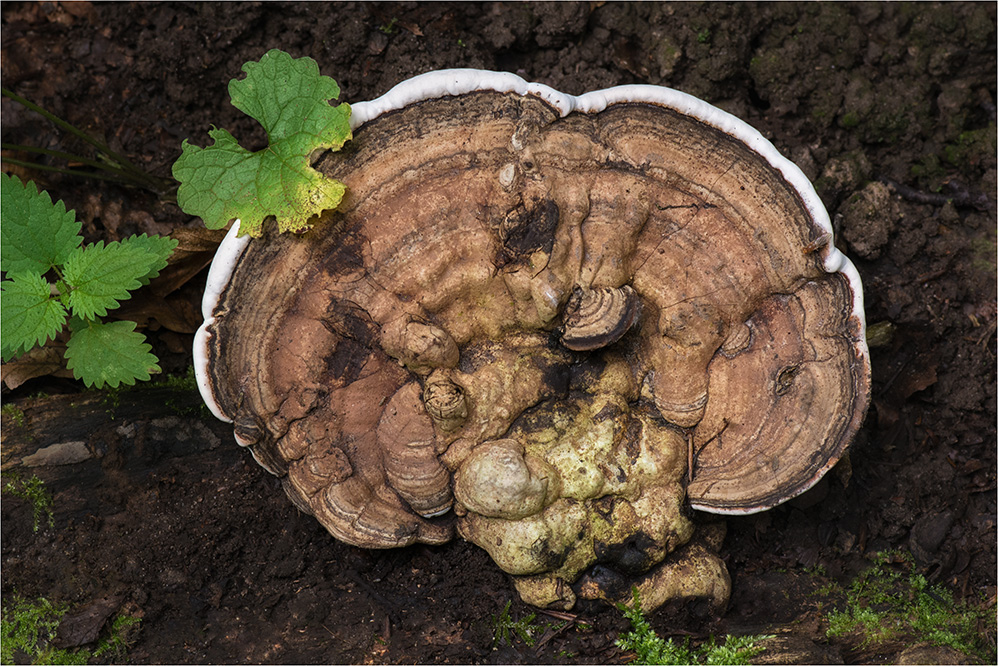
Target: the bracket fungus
(530, 316)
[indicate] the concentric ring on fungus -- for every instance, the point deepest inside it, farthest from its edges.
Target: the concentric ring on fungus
(711, 309)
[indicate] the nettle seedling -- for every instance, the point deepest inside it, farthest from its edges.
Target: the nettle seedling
(53, 281)
(224, 181)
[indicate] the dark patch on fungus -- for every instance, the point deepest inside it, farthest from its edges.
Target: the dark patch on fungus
(527, 228)
(586, 370)
(630, 556)
(346, 360)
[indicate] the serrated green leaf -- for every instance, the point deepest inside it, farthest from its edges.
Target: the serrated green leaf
(101, 276)
(224, 181)
(75, 323)
(161, 247)
(110, 354)
(35, 234)
(30, 315)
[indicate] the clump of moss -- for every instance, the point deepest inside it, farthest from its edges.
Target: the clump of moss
(891, 601)
(972, 146)
(983, 251)
(14, 413)
(32, 491)
(930, 172)
(184, 384)
(28, 628)
(505, 629)
(650, 648)
(120, 637)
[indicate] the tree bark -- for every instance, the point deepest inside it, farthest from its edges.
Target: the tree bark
(84, 445)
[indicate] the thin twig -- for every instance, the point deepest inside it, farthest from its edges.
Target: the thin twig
(559, 615)
(988, 332)
(569, 619)
(960, 195)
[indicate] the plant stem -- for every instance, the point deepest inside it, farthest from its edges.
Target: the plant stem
(70, 157)
(69, 172)
(138, 175)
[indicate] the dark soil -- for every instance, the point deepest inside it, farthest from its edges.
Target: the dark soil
(888, 108)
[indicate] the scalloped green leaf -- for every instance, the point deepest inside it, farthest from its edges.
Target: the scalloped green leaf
(30, 315)
(35, 234)
(111, 354)
(224, 181)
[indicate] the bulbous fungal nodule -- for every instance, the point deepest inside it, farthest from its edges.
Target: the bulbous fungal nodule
(499, 480)
(430, 345)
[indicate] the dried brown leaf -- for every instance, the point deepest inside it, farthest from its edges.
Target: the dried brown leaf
(38, 362)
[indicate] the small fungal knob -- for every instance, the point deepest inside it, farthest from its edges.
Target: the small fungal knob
(599, 317)
(248, 429)
(419, 346)
(738, 339)
(445, 402)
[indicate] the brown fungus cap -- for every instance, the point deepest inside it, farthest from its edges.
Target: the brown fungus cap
(503, 269)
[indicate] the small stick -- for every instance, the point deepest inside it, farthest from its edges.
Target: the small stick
(560, 615)
(960, 195)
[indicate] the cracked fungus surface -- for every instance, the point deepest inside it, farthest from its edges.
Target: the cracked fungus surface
(522, 329)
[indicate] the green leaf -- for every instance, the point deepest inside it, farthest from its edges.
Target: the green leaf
(161, 247)
(224, 181)
(110, 354)
(35, 234)
(101, 276)
(30, 315)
